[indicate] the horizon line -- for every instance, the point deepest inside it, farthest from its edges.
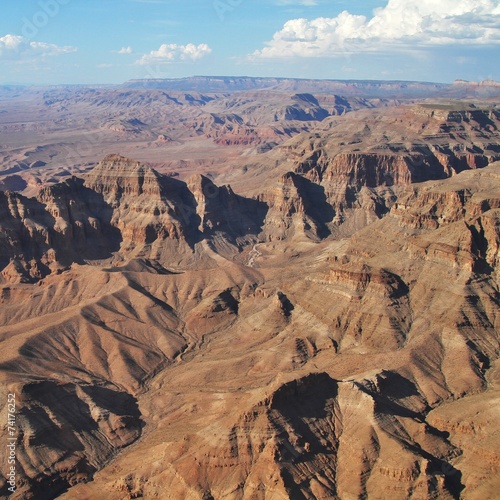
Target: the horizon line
(226, 77)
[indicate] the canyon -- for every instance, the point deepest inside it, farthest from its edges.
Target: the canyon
(251, 288)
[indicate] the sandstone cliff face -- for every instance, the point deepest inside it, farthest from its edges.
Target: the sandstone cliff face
(122, 205)
(220, 209)
(66, 223)
(17, 232)
(145, 204)
(297, 206)
(359, 169)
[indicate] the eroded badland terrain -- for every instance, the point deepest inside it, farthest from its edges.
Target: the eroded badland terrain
(251, 289)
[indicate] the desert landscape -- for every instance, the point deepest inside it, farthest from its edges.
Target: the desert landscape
(251, 288)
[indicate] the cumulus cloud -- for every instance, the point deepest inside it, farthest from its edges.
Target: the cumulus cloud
(172, 52)
(399, 25)
(125, 50)
(20, 47)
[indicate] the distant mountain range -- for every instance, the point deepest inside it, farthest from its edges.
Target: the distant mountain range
(365, 88)
(399, 89)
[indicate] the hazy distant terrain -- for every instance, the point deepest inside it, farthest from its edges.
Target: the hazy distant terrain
(181, 126)
(252, 288)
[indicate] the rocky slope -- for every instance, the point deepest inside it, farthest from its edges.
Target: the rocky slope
(171, 339)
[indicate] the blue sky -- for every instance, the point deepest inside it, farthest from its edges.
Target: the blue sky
(111, 41)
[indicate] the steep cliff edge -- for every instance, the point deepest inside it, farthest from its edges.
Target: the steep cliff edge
(359, 164)
(66, 223)
(122, 209)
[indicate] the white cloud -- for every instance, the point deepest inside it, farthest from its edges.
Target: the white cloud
(19, 47)
(401, 24)
(125, 50)
(172, 52)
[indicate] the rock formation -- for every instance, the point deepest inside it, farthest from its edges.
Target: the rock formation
(316, 315)
(328, 373)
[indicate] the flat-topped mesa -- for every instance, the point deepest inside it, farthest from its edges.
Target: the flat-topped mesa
(457, 111)
(116, 176)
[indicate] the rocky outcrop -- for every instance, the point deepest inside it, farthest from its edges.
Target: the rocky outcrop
(117, 176)
(121, 205)
(92, 422)
(305, 108)
(297, 206)
(430, 206)
(359, 279)
(146, 205)
(220, 209)
(66, 223)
